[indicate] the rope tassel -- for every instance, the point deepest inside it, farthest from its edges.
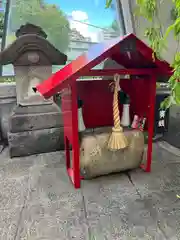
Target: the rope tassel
(117, 139)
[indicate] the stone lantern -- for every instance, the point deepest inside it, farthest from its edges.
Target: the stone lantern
(35, 124)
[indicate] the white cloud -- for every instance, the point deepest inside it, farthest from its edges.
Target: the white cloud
(77, 20)
(79, 15)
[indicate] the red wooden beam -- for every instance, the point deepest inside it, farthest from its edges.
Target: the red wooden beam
(110, 72)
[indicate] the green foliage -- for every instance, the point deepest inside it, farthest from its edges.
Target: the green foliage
(7, 79)
(174, 14)
(115, 26)
(1, 23)
(48, 16)
(108, 3)
(148, 9)
(156, 41)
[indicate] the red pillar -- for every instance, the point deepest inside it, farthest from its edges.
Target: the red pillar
(151, 114)
(75, 139)
(67, 152)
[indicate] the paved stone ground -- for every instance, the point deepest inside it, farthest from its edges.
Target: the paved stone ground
(37, 201)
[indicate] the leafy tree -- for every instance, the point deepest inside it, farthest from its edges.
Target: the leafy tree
(1, 23)
(109, 4)
(157, 37)
(49, 17)
(115, 26)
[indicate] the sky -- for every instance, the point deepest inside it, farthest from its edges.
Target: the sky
(88, 11)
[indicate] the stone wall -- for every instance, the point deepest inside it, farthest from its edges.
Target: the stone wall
(173, 134)
(7, 103)
(175, 112)
(138, 25)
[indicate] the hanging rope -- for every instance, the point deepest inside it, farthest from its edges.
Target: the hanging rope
(117, 139)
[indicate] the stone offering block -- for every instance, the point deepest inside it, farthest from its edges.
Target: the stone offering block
(97, 160)
(35, 142)
(35, 129)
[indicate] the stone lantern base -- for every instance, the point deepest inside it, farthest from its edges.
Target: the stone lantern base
(35, 129)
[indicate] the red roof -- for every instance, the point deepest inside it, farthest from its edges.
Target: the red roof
(128, 51)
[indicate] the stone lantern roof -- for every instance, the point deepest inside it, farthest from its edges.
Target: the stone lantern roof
(31, 38)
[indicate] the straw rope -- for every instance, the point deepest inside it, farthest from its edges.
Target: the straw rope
(117, 139)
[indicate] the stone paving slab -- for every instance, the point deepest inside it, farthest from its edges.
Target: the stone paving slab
(171, 149)
(159, 189)
(53, 209)
(12, 193)
(9, 221)
(116, 211)
(57, 219)
(38, 201)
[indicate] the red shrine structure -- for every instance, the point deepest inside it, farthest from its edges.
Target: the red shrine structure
(137, 59)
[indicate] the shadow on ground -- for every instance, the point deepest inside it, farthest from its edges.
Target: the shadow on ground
(37, 201)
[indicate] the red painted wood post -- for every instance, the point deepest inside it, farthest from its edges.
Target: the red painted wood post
(151, 114)
(75, 139)
(67, 152)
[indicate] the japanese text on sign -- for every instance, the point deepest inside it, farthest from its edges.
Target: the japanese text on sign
(161, 122)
